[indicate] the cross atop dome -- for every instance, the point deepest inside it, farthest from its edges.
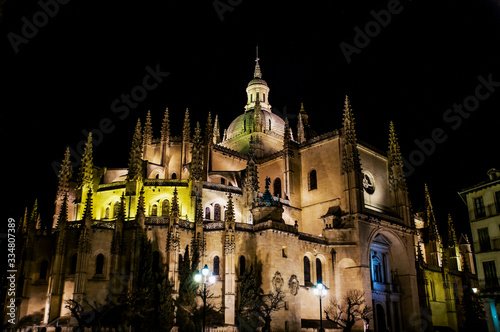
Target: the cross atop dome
(257, 72)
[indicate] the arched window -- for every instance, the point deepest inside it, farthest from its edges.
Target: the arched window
(319, 271)
(106, 213)
(99, 264)
(174, 176)
(154, 210)
(207, 213)
(377, 269)
(269, 124)
(307, 270)
(216, 265)
(277, 187)
(165, 208)
(217, 212)
(72, 265)
(116, 209)
(44, 268)
(264, 97)
(313, 181)
(157, 176)
(156, 261)
(242, 265)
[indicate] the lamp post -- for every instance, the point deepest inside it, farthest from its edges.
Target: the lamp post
(203, 277)
(320, 292)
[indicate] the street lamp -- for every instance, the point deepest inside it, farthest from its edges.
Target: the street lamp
(320, 292)
(203, 278)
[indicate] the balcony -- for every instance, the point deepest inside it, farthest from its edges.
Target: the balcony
(488, 211)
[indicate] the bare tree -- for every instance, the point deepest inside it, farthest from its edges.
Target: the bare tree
(351, 309)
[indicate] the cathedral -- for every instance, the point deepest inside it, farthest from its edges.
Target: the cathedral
(310, 208)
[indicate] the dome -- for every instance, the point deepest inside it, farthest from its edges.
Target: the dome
(257, 81)
(270, 124)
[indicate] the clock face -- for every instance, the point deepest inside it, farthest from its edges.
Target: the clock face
(368, 183)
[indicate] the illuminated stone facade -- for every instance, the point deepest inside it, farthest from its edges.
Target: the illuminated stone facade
(339, 214)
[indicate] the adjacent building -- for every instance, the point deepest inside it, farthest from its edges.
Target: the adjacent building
(483, 203)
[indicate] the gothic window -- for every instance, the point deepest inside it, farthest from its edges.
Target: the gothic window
(242, 265)
(44, 268)
(334, 257)
(307, 270)
(154, 210)
(174, 176)
(99, 264)
(217, 212)
(106, 213)
(216, 265)
(313, 182)
(319, 271)
(165, 208)
(277, 187)
(157, 176)
(484, 239)
(207, 213)
(116, 209)
(479, 210)
(72, 266)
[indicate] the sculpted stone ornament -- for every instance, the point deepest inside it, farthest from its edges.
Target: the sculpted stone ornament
(277, 281)
(293, 285)
(368, 183)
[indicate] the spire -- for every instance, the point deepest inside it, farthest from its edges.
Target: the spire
(87, 213)
(62, 221)
(452, 235)
(198, 215)
(348, 122)
(301, 137)
(287, 137)
(257, 73)
(135, 159)
(148, 130)
(229, 231)
(186, 130)
(351, 159)
(174, 211)
(209, 130)
(165, 127)
(86, 174)
(430, 218)
(141, 205)
(196, 171)
(34, 217)
(229, 217)
(303, 115)
(216, 130)
(65, 174)
(396, 175)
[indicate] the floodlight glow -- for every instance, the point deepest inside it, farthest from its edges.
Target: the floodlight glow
(211, 279)
(197, 277)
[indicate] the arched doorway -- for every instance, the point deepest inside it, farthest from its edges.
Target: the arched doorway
(381, 325)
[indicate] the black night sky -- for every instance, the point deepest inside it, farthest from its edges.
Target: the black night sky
(64, 79)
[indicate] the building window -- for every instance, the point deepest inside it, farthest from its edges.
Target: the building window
(222, 181)
(165, 208)
(72, 265)
(283, 252)
(174, 176)
(479, 210)
(490, 274)
(334, 257)
(106, 213)
(99, 264)
(484, 239)
(242, 265)
(377, 268)
(307, 270)
(269, 124)
(433, 290)
(207, 213)
(277, 187)
(44, 268)
(154, 210)
(217, 212)
(319, 271)
(264, 97)
(313, 181)
(216, 265)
